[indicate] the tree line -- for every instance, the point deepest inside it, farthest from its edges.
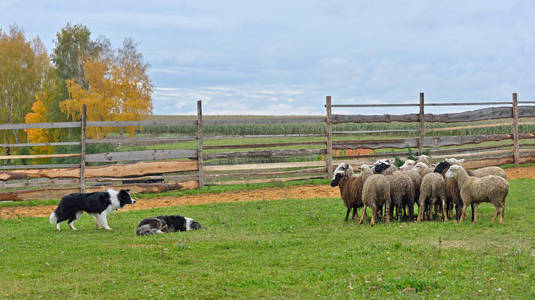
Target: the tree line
(37, 87)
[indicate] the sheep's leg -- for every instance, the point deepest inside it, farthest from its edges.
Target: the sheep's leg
(374, 215)
(463, 213)
(411, 211)
(496, 214)
(444, 209)
(355, 215)
(474, 212)
(502, 214)
(421, 210)
(363, 217)
(458, 209)
(387, 213)
(347, 213)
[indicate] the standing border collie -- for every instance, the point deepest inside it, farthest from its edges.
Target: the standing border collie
(97, 204)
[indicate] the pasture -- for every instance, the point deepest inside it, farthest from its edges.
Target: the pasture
(294, 248)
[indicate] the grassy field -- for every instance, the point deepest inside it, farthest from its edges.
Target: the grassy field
(298, 248)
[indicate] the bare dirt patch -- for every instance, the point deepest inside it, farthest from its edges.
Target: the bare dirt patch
(298, 192)
(306, 191)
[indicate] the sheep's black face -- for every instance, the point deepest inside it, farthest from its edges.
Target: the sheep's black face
(443, 165)
(336, 179)
(380, 167)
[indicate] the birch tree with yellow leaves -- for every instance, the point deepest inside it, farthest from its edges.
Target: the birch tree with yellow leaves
(118, 89)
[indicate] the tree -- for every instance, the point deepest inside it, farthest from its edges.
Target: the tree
(46, 109)
(118, 89)
(22, 65)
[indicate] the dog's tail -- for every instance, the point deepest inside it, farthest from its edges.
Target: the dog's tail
(53, 218)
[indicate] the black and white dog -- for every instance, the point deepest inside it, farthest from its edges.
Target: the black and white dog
(162, 224)
(97, 204)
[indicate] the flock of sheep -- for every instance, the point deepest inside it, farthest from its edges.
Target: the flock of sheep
(435, 190)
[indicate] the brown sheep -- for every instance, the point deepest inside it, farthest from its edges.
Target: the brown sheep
(350, 188)
(492, 188)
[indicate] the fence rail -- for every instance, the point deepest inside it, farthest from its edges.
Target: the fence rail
(280, 160)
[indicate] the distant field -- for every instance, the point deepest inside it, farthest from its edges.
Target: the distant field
(296, 248)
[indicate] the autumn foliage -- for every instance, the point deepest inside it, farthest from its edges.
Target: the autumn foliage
(118, 90)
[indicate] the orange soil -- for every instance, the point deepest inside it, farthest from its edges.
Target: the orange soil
(306, 191)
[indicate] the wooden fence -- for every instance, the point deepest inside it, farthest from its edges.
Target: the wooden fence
(159, 170)
(475, 156)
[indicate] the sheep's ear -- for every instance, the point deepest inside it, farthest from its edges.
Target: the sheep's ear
(461, 161)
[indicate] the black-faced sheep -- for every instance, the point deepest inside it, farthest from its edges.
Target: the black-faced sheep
(350, 188)
(492, 188)
(432, 193)
(401, 190)
(375, 194)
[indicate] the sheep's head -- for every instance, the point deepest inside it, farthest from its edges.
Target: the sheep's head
(454, 161)
(381, 165)
(343, 169)
(407, 165)
(453, 170)
(443, 165)
(419, 166)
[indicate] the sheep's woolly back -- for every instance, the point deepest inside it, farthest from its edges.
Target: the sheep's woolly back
(490, 188)
(433, 186)
(401, 186)
(454, 161)
(376, 190)
(351, 190)
(497, 171)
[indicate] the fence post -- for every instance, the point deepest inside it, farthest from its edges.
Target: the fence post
(329, 160)
(82, 151)
(516, 151)
(199, 144)
(421, 129)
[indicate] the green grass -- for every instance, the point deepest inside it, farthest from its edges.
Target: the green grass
(298, 248)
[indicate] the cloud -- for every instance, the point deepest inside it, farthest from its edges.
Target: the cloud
(274, 57)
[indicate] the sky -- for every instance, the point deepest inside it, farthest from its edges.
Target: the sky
(284, 57)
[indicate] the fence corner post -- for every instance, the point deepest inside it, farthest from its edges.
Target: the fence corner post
(516, 142)
(82, 151)
(328, 120)
(421, 129)
(199, 144)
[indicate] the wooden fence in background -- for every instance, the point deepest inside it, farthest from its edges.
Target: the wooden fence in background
(476, 156)
(171, 169)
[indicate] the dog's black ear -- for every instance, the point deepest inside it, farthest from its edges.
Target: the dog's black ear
(127, 190)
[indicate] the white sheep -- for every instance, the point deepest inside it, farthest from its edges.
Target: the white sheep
(375, 194)
(474, 190)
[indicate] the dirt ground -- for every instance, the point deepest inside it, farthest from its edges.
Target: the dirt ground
(306, 191)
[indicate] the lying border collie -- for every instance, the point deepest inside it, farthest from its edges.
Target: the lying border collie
(162, 224)
(97, 204)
